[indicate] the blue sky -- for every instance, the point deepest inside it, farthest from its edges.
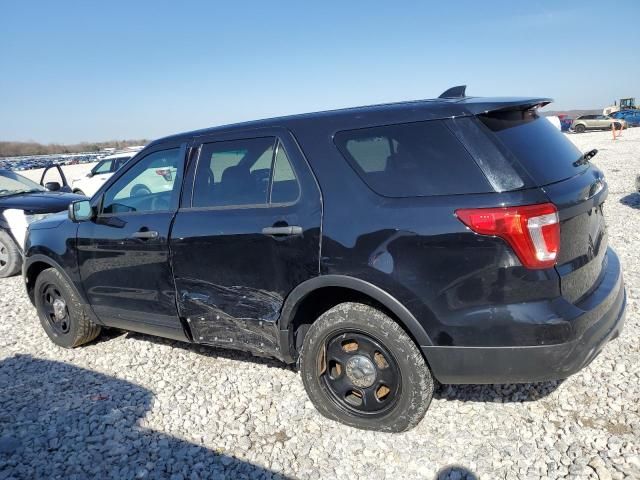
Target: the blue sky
(90, 71)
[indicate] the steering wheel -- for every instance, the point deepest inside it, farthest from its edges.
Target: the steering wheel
(140, 190)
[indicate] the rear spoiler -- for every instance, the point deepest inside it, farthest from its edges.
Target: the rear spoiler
(479, 105)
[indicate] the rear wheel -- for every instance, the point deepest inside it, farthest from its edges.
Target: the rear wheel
(579, 128)
(61, 312)
(359, 367)
(10, 258)
(79, 192)
(617, 126)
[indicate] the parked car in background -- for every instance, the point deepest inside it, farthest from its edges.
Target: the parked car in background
(22, 202)
(632, 117)
(100, 173)
(347, 242)
(596, 122)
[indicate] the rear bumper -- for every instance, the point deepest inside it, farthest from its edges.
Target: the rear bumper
(602, 320)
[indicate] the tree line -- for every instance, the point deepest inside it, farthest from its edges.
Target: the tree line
(19, 149)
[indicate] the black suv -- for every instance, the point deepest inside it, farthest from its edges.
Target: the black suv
(459, 239)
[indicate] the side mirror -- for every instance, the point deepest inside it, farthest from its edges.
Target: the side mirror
(80, 211)
(52, 186)
(90, 174)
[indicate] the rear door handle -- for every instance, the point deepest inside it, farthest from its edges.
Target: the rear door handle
(145, 234)
(294, 230)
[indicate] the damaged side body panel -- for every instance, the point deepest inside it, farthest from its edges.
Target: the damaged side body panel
(234, 265)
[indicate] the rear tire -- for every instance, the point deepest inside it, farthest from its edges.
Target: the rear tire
(617, 126)
(61, 313)
(10, 257)
(360, 367)
(579, 128)
(79, 192)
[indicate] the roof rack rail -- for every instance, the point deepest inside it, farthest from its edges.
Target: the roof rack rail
(455, 92)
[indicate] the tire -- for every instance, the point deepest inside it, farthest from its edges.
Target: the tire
(617, 126)
(79, 192)
(396, 361)
(579, 128)
(72, 329)
(10, 257)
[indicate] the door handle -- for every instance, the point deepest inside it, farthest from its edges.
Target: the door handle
(145, 234)
(293, 230)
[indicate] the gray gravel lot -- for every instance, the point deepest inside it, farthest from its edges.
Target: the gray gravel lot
(133, 406)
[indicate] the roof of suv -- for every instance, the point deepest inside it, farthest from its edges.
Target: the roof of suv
(393, 112)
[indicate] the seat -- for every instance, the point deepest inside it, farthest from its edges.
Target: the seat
(238, 187)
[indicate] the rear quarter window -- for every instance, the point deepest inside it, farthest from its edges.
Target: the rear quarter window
(546, 154)
(412, 159)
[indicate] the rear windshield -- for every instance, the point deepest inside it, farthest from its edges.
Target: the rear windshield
(544, 152)
(412, 159)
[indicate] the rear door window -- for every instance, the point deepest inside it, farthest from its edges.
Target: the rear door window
(234, 172)
(540, 148)
(284, 188)
(254, 171)
(412, 159)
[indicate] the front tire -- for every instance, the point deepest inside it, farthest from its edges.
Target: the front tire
(579, 128)
(10, 257)
(360, 367)
(61, 312)
(77, 191)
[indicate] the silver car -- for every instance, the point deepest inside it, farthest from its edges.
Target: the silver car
(596, 122)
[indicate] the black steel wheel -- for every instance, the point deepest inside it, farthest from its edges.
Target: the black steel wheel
(61, 312)
(360, 373)
(55, 308)
(360, 367)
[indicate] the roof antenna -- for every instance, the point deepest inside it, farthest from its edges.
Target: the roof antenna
(455, 92)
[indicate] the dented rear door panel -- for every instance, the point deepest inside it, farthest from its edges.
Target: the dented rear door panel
(231, 278)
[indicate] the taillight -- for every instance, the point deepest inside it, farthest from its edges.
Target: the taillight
(533, 231)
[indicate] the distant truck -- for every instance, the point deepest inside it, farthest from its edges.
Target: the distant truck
(623, 104)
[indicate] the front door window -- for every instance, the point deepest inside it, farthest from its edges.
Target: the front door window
(147, 187)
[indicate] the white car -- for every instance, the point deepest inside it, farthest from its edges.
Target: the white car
(100, 173)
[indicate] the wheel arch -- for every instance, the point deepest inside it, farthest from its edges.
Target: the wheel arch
(35, 265)
(353, 289)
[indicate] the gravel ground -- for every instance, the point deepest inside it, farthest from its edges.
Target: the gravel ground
(133, 406)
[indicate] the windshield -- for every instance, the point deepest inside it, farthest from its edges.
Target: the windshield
(11, 184)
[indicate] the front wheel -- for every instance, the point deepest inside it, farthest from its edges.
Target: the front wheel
(10, 258)
(360, 367)
(61, 312)
(77, 191)
(579, 128)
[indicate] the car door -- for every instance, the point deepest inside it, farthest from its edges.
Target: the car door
(123, 254)
(245, 237)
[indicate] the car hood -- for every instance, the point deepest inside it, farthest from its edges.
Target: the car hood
(52, 221)
(40, 202)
